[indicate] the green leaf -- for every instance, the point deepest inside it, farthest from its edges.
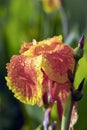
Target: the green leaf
(33, 116)
(81, 71)
(54, 113)
(35, 112)
(40, 127)
(82, 110)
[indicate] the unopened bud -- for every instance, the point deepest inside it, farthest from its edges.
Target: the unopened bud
(81, 42)
(47, 118)
(78, 51)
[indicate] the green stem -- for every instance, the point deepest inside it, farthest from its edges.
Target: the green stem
(64, 22)
(67, 113)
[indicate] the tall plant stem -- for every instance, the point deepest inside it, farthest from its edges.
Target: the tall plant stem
(64, 22)
(67, 113)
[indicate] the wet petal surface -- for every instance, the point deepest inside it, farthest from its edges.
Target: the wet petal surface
(25, 78)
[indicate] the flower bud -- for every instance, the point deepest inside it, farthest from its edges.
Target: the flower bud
(81, 42)
(78, 51)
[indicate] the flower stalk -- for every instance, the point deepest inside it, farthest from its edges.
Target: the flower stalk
(67, 113)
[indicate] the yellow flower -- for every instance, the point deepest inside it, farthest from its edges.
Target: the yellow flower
(51, 5)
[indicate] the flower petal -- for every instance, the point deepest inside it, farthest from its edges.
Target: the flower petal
(57, 63)
(45, 46)
(25, 78)
(25, 47)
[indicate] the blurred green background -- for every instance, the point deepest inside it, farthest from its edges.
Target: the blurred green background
(24, 20)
